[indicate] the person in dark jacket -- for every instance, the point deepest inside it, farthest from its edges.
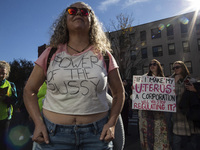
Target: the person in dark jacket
(190, 104)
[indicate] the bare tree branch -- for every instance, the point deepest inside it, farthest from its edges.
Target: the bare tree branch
(125, 45)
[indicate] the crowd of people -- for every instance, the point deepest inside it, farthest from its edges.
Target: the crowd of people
(173, 130)
(67, 96)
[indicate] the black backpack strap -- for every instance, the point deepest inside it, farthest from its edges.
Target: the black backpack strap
(52, 51)
(13, 99)
(106, 58)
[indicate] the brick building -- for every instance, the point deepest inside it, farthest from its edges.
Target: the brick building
(167, 40)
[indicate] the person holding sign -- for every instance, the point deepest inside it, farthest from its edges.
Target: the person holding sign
(185, 134)
(75, 109)
(152, 124)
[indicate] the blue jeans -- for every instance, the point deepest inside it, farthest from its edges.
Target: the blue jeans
(75, 137)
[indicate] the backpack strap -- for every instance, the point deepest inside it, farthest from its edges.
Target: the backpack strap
(52, 51)
(106, 58)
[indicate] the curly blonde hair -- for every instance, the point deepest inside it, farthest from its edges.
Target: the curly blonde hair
(5, 65)
(97, 36)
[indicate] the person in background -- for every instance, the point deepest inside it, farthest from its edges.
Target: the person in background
(152, 124)
(128, 89)
(8, 98)
(41, 95)
(75, 107)
(185, 134)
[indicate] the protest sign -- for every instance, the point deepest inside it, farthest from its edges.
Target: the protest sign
(154, 93)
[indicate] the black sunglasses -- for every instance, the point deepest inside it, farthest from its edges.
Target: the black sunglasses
(74, 10)
(177, 67)
(153, 64)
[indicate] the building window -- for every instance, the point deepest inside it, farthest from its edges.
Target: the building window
(155, 33)
(143, 36)
(157, 51)
(189, 65)
(198, 42)
(144, 53)
(133, 55)
(171, 49)
(184, 28)
(145, 69)
(198, 26)
(132, 37)
(170, 30)
(186, 46)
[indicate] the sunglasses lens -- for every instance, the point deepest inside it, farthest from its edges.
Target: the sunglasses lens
(154, 64)
(84, 12)
(72, 11)
(177, 67)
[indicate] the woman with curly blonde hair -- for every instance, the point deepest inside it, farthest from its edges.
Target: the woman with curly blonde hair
(75, 109)
(97, 36)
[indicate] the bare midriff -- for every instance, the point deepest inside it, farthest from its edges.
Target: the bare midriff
(64, 119)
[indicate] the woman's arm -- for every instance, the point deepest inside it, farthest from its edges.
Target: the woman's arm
(34, 82)
(117, 90)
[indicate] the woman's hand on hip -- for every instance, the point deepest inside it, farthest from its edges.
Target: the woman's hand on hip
(108, 133)
(40, 134)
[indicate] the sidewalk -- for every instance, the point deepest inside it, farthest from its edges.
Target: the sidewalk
(132, 141)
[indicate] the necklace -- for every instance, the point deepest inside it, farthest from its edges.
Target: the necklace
(77, 50)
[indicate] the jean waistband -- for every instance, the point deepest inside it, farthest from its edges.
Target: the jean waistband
(98, 123)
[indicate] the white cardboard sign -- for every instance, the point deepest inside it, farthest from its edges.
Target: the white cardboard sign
(154, 93)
